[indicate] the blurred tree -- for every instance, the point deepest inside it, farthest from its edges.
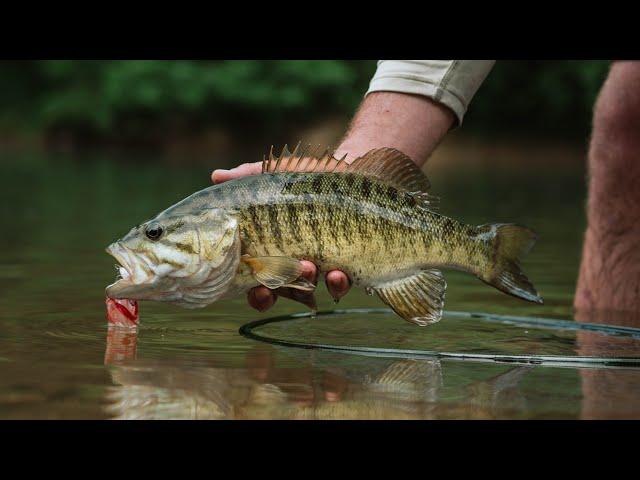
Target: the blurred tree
(146, 99)
(550, 98)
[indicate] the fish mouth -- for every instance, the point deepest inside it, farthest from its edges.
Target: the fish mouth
(124, 278)
(136, 279)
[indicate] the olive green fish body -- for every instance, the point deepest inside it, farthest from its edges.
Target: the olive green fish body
(372, 219)
(345, 221)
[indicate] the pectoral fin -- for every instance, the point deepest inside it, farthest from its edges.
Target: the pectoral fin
(418, 299)
(276, 272)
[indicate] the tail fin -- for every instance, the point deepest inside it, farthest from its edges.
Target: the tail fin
(510, 243)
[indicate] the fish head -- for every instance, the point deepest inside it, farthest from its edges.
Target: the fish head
(177, 258)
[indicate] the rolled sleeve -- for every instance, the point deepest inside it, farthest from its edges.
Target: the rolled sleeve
(450, 82)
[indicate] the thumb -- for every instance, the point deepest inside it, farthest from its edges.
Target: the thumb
(220, 175)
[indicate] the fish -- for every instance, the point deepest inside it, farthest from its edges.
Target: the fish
(373, 218)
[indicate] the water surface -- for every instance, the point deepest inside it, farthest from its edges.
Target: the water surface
(59, 360)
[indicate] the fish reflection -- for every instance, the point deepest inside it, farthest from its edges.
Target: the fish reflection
(331, 387)
(500, 393)
(152, 390)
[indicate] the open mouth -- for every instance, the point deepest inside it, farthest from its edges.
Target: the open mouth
(124, 275)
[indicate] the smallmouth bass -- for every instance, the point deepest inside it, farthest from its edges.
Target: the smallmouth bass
(373, 219)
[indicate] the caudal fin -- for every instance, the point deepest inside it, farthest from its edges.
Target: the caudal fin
(511, 242)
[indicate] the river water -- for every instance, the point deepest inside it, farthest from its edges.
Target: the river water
(58, 359)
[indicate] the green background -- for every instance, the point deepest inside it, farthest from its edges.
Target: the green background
(140, 101)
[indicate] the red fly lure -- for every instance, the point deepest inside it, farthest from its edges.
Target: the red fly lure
(122, 312)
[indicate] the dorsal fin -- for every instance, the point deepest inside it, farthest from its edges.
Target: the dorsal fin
(393, 167)
(307, 159)
(386, 164)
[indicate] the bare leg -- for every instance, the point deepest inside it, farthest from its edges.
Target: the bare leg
(610, 272)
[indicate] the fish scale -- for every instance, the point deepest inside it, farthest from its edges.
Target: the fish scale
(374, 230)
(372, 219)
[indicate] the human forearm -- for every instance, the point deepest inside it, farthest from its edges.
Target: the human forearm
(411, 123)
(412, 104)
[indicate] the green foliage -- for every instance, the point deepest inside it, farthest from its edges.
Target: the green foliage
(99, 96)
(554, 98)
(114, 98)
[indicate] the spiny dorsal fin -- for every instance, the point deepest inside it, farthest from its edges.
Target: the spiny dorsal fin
(386, 164)
(307, 159)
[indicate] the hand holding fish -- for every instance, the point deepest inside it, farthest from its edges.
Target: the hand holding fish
(373, 219)
(261, 298)
(367, 220)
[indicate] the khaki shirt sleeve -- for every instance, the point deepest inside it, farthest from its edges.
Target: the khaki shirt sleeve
(450, 82)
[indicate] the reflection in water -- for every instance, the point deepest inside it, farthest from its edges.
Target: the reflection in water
(326, 385)
(154, 390)
(122, 344)
(52, 318)
(501, 390)
(386, 389)
(609, 394)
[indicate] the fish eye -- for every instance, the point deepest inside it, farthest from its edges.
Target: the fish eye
(153, 231)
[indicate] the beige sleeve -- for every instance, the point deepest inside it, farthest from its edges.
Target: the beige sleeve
(450, 82)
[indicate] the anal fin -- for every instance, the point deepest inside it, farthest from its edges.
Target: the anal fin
(418, 299)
